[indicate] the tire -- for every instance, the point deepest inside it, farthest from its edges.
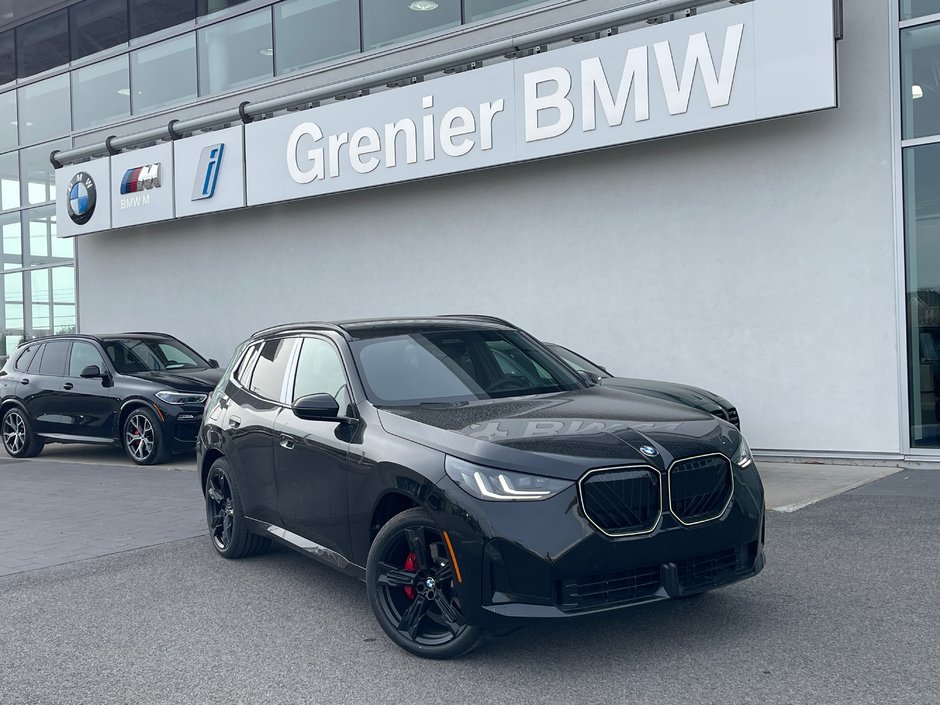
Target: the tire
(412, 589)
(227, 526)
(19, 441)
(142, 437)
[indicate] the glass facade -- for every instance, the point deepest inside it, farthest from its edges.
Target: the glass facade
(56, 80)
(920, 113)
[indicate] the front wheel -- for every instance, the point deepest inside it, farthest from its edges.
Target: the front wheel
(412, 589)
(143, 438)
(19, 441)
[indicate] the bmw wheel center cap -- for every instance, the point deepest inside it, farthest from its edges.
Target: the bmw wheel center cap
(83, 196)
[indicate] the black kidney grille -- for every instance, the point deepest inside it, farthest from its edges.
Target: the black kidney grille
(622, 501)
(607, 589)
(700, 488)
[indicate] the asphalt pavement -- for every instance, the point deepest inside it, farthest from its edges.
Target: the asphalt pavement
(845, 612)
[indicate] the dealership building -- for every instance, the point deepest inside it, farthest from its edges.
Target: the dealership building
(739, 195)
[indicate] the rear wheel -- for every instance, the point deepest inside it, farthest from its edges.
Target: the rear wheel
(412, 589)
(19, 441)
(227, 526)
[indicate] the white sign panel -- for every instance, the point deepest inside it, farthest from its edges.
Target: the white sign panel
(83, 198)
(142, 186)
(749, 62)
(210, 172)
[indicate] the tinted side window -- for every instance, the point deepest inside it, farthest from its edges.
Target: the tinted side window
(270, 367)
(242, 373)
(83, 355)
(320, 371)
(25, 357)
(53, 358)
(37, 359)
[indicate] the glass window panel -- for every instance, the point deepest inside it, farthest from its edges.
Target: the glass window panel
(235, 53)
(42, 44)
(478, 9)
(163, 74)
(97, 25)
(63, 320)
(308, 32)
(9, 181)
(386, 22)
(11, 245)
(8, 139)
(148, 16)
(7, 57)
(37, 175)
(83, 354)
(40, 227)
(39, 286)
(101, 93)
(207, 7)
(920, 80)
(918, 8)
(268, 375)
(922, 242)
(44, 110)
(14, 326)
(63, 285)
(63, 248)
(41, 319)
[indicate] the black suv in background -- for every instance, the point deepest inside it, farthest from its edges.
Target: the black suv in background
(470, 477)
(142, 391)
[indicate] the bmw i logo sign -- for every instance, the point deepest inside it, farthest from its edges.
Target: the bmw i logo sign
(82, 198)
(648, 451)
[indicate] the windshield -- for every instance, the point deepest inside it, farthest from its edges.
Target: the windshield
(133, 355)
(460, 365)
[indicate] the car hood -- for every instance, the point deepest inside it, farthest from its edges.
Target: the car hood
(670, 391)
(568, 432)
(202, 380)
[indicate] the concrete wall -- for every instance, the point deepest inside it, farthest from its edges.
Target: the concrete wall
(756, 261)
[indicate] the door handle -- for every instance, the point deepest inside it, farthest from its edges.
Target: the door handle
(24, 381)
(234, 422)
(287, 442)
(67, 385)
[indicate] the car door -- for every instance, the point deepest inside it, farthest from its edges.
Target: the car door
(253, 402)
(311, 456)
(89, 407)
(42, 384)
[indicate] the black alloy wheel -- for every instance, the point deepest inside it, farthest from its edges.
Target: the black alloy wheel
(143, 437)
(19, 441)
(227, 526)
(412, 587)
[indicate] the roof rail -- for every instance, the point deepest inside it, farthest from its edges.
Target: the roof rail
(479, 317)
(288, 327)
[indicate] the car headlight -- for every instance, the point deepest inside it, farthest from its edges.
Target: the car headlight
(181, 397)
(492, 484)
(742, 456)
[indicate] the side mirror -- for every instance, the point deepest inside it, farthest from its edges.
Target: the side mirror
(588, 378)
(317, 407)
(93, 372)
(213, 363)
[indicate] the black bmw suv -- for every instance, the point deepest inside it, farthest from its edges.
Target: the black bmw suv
(143, 391)
(470, 477)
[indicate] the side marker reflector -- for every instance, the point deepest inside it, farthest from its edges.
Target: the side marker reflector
(453, 558)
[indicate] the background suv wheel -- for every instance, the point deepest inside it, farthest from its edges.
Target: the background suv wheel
(19, 441)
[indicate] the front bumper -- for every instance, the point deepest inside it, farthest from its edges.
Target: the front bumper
(544, 559)
(181, 426)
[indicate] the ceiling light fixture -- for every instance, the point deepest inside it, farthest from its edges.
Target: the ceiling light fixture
(266, 52)
(423, 5)
(917, 92)
(124, 91)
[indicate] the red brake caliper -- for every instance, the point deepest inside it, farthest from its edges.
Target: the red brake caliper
(411, 565)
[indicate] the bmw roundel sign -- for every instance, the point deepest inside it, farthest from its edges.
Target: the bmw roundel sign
(82, 197)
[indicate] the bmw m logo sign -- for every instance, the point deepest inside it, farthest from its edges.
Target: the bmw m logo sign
(82, 198)
(648, 451)
(141, 178)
